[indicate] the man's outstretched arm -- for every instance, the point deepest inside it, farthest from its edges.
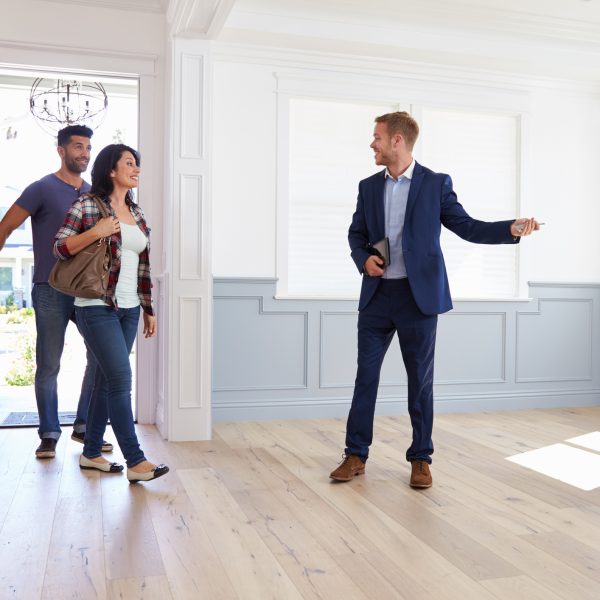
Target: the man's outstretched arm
(12, 219)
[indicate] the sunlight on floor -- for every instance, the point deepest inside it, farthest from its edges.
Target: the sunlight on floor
(589, 440)
(574, 466)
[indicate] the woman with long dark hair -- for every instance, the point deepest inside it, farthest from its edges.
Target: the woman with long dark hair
(109, 324)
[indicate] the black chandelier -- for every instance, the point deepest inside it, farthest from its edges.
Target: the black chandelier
(61, 102)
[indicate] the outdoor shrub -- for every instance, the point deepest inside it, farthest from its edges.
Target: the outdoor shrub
(22, 371)
(20, 316)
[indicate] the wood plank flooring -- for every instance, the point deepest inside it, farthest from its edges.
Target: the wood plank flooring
(252, 515)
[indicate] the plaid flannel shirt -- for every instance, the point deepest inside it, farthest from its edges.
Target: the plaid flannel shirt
(83, 215)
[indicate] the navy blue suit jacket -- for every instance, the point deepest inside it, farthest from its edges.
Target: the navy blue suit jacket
(431, 204)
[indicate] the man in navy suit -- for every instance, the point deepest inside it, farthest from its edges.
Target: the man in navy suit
(408, 204)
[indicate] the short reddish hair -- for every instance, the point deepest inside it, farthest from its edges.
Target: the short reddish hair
(402, 123)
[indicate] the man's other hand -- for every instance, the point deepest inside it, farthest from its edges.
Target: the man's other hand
(374, 266)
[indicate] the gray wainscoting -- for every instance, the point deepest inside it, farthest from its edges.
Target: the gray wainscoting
(291, 358)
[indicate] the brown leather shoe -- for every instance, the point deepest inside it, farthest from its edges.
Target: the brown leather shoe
(420, 476)
(351, 466)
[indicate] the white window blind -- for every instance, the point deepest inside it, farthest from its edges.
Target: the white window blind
(329, 155)
(480, 153)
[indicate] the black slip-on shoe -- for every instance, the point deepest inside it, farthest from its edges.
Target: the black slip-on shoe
(87, 463)
(47, 448)
(79, 436)
(149, 476)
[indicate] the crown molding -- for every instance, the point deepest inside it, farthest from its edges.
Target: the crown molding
(510, 21)
(200, 19)
(528, 19)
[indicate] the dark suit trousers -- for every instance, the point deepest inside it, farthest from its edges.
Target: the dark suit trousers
(393, 309)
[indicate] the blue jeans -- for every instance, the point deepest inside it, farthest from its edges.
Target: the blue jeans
(393, 310)
(53, 311)
(110, 334)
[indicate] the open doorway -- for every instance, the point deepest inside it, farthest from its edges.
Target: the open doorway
(27, 153)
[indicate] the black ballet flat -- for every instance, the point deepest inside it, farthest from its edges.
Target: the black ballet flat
(86, 463)
(149, 476)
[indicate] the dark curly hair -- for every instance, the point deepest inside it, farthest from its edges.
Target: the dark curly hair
(64, 135)
(105, 163)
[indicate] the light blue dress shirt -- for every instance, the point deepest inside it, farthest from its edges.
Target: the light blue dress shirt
(396, 197)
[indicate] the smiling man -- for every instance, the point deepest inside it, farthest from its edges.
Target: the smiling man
(47, 201)
(404, 206)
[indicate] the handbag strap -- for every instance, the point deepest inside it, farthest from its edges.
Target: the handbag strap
(103, 211)
(100, 204)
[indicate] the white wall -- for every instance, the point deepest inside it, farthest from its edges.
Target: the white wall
(244, 168)
(561, 129)
(564, 155)
(78, 26)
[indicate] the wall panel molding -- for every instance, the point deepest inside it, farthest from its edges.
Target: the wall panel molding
(192, 105)
(565, 337)
(483, 353)
(190, 226)
(190, 351)
(268, 348)
(482, 340)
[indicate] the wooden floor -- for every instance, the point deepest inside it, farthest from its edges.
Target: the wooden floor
(252, 515)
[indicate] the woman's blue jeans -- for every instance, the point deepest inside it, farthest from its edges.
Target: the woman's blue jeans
(110, 334)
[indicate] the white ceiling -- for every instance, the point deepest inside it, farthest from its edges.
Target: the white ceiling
(583, 11)
(578, 20)
(540, 15)
(539, 37)
(547, 38)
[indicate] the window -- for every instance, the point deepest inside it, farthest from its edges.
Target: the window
(329, 153)
(6, 274)
(480, 152)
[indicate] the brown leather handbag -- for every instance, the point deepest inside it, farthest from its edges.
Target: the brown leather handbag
(85, 274)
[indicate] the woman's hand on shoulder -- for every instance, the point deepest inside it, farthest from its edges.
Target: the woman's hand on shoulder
(149, 325)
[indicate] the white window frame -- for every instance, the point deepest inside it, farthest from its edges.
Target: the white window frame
(413, 97)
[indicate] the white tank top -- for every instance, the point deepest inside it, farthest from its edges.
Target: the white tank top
(133, 242)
